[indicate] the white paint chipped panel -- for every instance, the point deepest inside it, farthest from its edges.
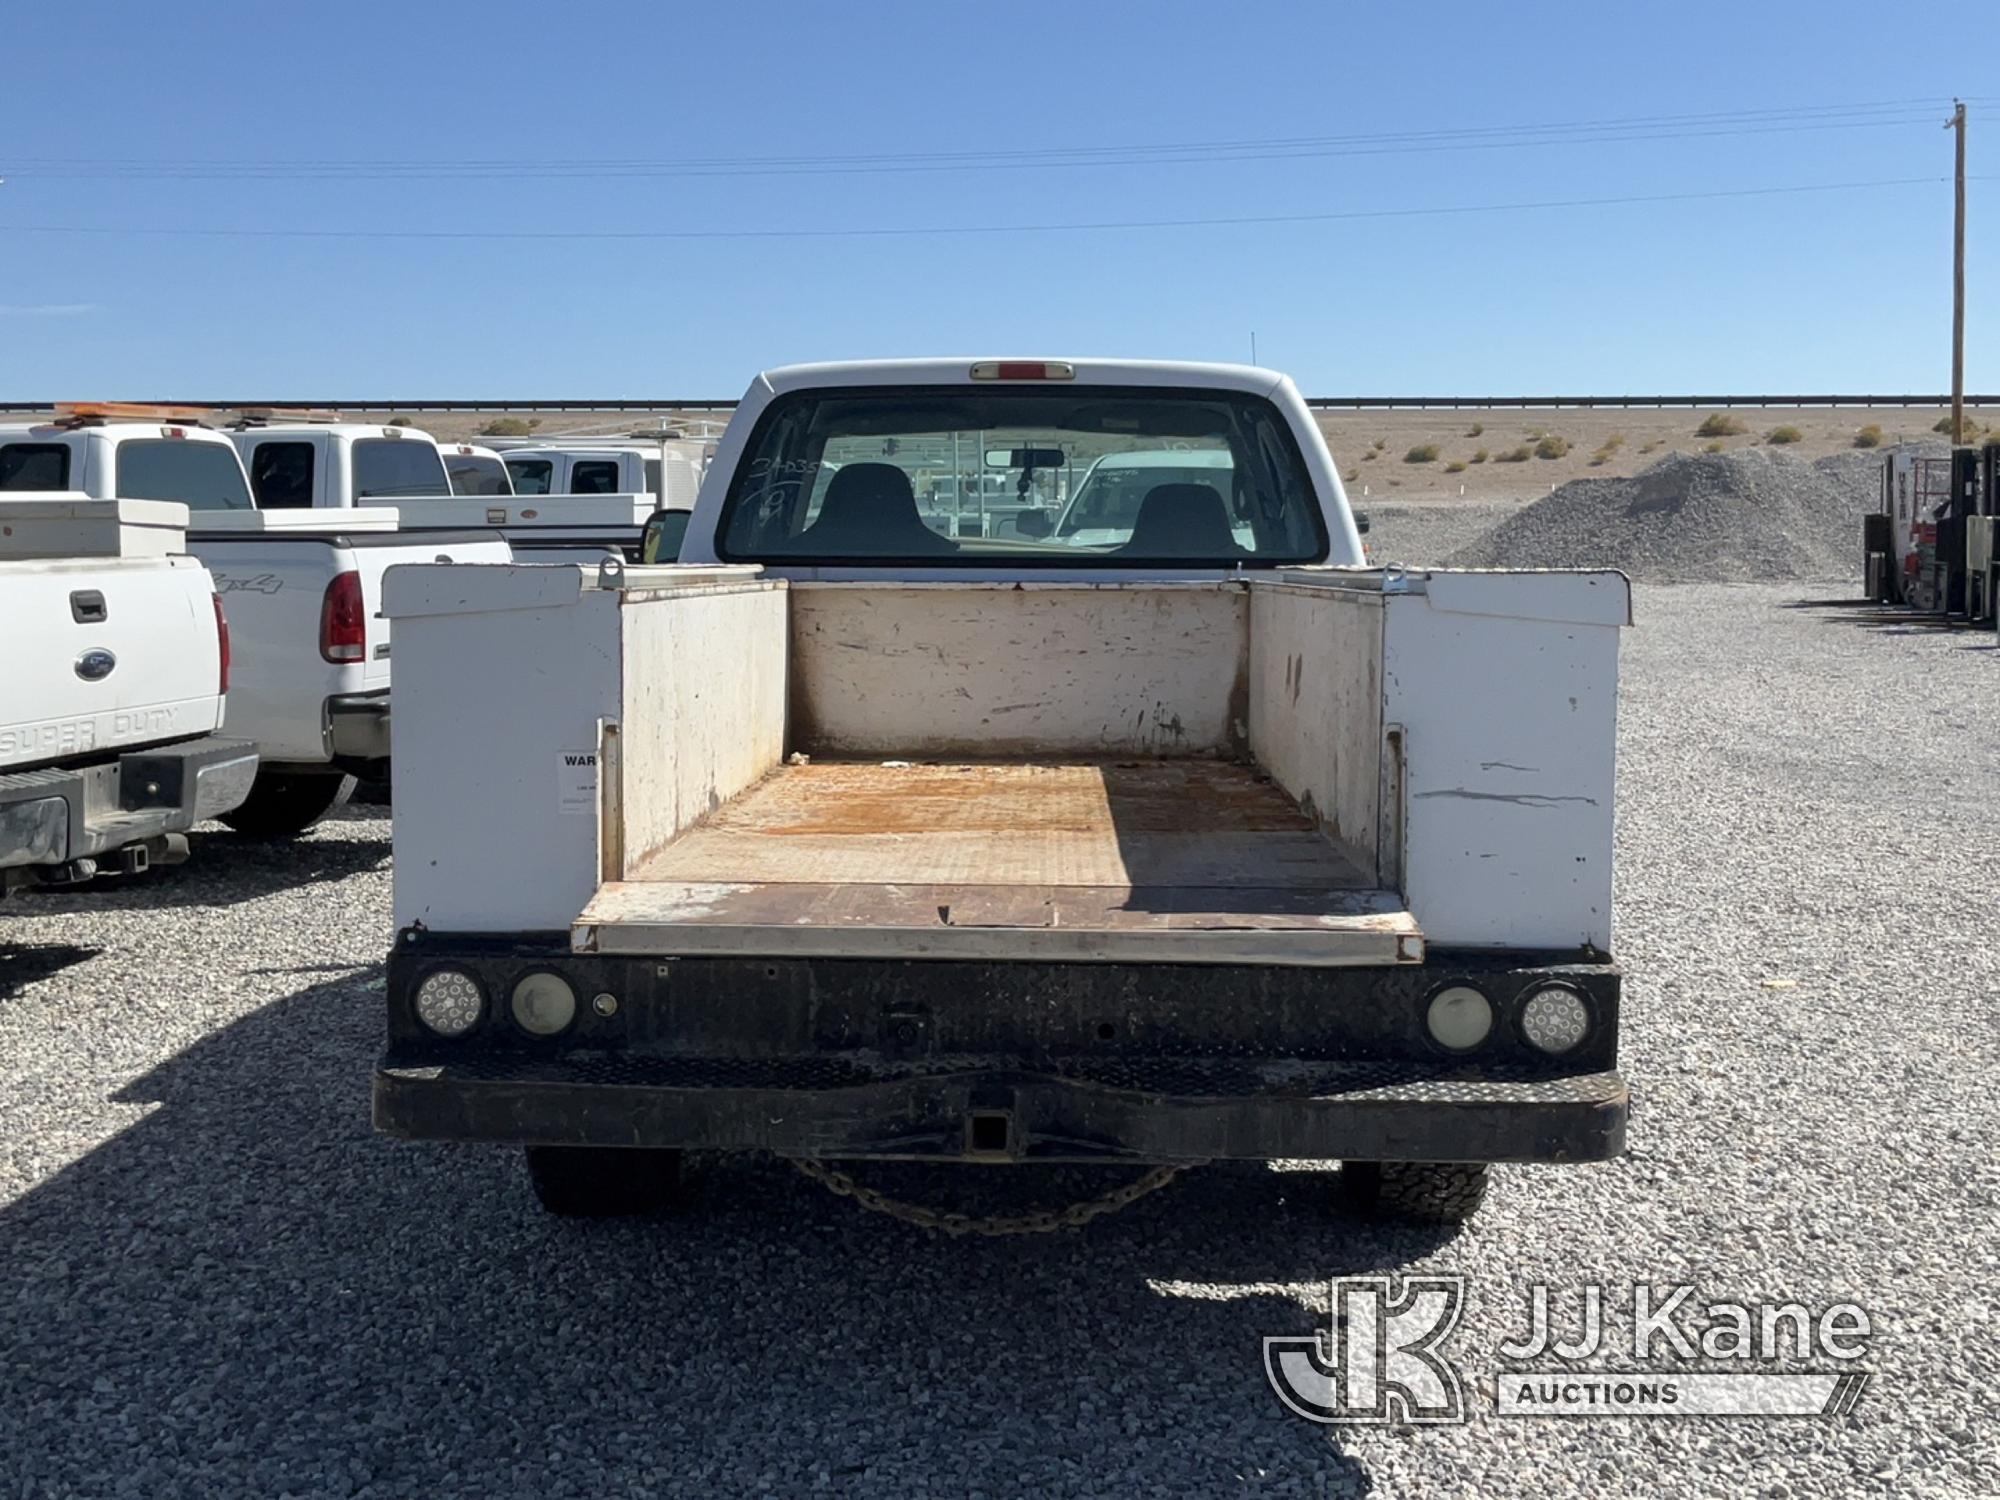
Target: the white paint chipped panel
(1316, 705)
(990, 669)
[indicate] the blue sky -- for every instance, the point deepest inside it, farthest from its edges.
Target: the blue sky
(1841, 290)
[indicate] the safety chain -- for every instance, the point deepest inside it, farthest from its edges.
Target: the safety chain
(1041, 1221)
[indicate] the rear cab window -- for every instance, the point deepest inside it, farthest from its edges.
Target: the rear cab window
(397, 468)
(34, 466)
(1093, 476)
(474, 474)
(594, 476)
(531, 476)
(202, 476)
(281, 475)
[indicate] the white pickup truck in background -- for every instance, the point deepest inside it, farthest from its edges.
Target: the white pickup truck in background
(1182, 836)
(337, 465)
(474, 470)
(669, 469)
(301, 589)
(313, 649)
(112, 687)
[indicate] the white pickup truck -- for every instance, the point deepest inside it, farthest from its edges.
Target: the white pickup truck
(112, 693)
(669, 469)
(336, 465)
(301, 589)
(1188, 838)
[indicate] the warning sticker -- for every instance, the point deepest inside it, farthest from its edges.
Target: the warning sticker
(576, 781)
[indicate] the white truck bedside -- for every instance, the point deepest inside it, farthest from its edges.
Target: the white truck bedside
(1181, 836)
(112, 694)
(313, 653)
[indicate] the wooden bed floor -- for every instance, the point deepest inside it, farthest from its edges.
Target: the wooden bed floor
(1134, 825)
(1158, 861)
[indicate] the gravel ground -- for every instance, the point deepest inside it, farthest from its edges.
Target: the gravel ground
(217, 1280)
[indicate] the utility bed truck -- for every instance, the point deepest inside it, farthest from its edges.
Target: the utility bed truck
(325, 465)
(112, 687)
(1182, 837)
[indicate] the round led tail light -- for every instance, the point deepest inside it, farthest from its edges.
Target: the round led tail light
(449, 1002)
(1555, 1019)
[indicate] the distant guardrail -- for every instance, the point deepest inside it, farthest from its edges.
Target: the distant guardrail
(1321, 403)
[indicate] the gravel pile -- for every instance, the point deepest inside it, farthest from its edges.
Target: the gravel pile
(1425, 533)
(1748, 516)
(217, 1280)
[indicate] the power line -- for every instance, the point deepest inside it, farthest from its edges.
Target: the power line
(1629, 129)
(892, 231)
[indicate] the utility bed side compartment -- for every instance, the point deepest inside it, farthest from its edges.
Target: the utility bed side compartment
(496, 805)
(1505, 690)
(514, 671)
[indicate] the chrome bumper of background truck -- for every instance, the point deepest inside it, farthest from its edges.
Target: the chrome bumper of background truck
(356, 730)
(56, 817)
(1050, 1062)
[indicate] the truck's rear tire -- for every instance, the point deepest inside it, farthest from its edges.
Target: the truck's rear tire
(603, 1182)
(286, 802)
(1427, 1192)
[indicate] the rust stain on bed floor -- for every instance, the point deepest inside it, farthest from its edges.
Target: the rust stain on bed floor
(1188, 797)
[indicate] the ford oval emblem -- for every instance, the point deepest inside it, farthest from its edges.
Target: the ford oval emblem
(96, 665)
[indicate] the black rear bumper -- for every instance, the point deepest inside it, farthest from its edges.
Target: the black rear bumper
(992, 1110)
(1044, 1062)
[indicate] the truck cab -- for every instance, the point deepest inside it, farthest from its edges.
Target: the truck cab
(321, 465)
(1179, 836)
(110, 449)
(668, 469)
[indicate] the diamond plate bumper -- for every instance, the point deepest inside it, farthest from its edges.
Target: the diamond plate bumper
(942, 1060)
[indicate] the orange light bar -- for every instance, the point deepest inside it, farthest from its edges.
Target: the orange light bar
(132, 411)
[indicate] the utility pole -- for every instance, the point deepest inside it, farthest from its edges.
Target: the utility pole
(1957, 122)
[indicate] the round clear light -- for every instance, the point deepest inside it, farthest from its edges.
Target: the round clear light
(1555, 1019)
(544, 1004)
(449, 1002)
(1459, 1017)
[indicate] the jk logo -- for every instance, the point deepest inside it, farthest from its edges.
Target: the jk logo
(1378, 1361)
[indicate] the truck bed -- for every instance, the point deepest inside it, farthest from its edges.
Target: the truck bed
(1174, 860)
